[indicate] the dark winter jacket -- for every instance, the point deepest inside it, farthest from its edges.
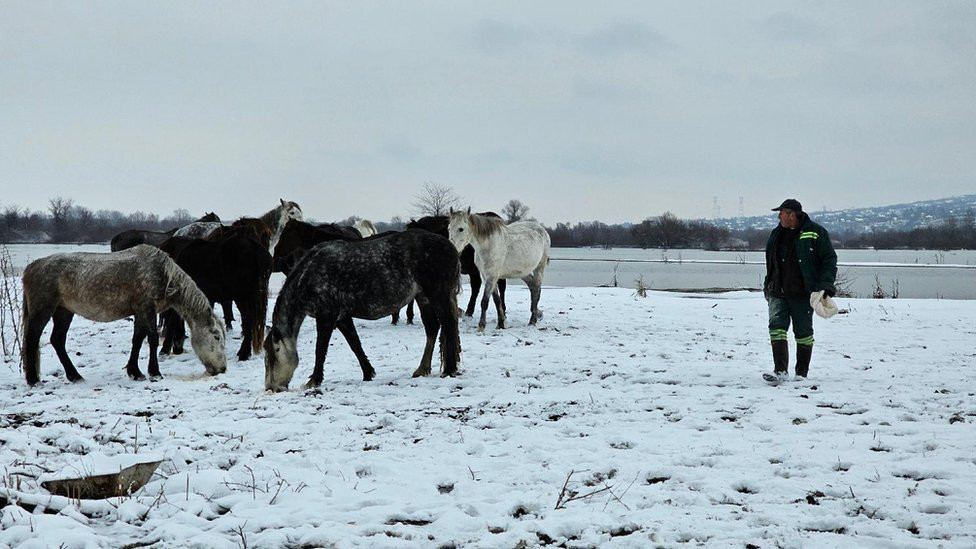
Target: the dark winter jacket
(815, 256)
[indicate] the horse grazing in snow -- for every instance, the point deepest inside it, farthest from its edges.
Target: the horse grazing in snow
(518, 250)
(137, 282)
(340, 280)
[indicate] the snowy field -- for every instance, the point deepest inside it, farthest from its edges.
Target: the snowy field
(620, 421)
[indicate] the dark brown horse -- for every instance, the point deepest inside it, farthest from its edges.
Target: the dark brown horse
(298, 236)
(235, 268)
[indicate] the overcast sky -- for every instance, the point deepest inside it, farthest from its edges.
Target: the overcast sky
(612, 111)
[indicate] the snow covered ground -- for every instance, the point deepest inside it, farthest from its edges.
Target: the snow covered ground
(620, 421)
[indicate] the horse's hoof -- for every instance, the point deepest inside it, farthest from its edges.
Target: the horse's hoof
(455, 373)
(420, 372)
(155, 377)
(78, 379)
(312, 384)
(137, 377)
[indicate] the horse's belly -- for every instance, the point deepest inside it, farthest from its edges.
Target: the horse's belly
(99, 313)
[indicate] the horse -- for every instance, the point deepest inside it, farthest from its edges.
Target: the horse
(298, 235)
(235, 268)
(251, 226)
(438, 224)
(278, 217)
(133, 237)
(518, 250)
(198, 229)
(365, 227)
(341, 280)
(138, 282)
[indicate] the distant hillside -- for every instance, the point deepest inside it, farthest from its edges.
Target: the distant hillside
(899, 217)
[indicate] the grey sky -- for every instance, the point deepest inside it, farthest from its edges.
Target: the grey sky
(582, 110)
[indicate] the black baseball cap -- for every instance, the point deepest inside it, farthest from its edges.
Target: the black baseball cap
(790, 204)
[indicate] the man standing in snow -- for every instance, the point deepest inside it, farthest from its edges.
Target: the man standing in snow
(801, 266)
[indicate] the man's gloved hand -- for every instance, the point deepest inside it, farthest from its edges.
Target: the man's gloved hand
(816, 297)
(829, 292)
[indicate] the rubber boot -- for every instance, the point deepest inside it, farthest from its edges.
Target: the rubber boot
(803, 353)
(781, 357)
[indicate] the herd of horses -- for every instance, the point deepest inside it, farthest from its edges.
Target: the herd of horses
(333, 273)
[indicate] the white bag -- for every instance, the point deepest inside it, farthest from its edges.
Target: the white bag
(823, 305)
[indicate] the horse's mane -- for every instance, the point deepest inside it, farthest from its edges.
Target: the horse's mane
(180, 290)
(483, 226)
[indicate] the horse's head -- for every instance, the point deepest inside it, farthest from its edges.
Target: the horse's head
(208, 343)
(289, 210)
(459, 228)
(280, 360)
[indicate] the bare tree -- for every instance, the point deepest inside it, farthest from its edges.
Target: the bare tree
(435, 199)
(514, 211)
(60, 208)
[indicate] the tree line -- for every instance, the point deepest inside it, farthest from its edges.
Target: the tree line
(64, 222)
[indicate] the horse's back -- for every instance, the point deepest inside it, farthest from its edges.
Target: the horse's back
(526, 246)
(198, 229)
(97, 286)
(374, 277)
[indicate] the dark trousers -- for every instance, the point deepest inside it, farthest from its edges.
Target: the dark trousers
(795, 310)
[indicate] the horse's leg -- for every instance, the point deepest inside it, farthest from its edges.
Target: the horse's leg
(410, 312)
(34, 324)
(228, 307)
(59, 336)
(496, 297)
(140, 329)
(395, 318)
(488, 290)
(168, 334)
(348, 330)
(152, 337)
(174, 333)
(475, 277)
(246, 307)
(179, 334)
(324, 325)
(534, 282)
(432, 325)
(502, 284)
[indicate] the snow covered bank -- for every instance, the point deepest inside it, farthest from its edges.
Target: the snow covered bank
(645, 419)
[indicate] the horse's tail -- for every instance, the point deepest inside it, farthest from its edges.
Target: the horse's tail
(450, 341)
(260, 313)
(30, 354)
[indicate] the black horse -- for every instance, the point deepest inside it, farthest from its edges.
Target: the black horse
(298, 236)
(438, 224)
(341, 280)
(235, 268)
(133, 237)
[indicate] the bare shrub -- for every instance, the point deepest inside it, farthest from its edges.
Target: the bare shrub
(10, 308)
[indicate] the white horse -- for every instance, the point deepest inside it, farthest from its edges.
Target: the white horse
(518, 250)
(365, 227)
(277, 218)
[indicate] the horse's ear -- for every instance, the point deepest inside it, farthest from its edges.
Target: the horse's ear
(451, 212)
(469, 210)
(282, 201)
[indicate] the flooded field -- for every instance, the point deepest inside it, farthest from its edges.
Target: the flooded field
(925, 274)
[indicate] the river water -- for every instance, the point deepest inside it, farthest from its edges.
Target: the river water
(925, 274)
